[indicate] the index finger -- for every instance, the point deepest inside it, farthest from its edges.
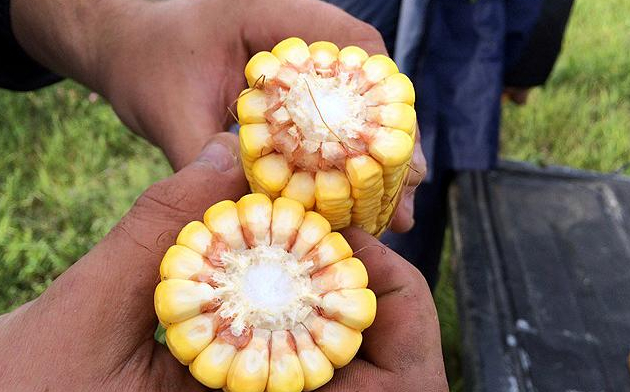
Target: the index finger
(310, 20)
(405, 336)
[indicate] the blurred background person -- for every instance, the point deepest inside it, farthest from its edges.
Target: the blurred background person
(462, 57)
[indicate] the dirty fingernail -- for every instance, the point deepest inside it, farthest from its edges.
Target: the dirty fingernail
(220, 156)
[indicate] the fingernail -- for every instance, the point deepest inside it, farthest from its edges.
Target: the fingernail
(220, 157)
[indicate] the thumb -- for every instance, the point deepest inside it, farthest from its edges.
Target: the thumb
(120, 273)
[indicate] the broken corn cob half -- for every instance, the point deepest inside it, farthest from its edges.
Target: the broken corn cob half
(262, 296)
(333, 129)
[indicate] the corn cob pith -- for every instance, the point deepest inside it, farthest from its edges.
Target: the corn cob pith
(262, 296)
(333, 129)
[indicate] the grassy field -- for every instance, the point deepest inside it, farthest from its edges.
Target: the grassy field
(69, 170)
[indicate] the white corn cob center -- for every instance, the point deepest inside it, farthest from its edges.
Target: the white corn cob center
(264, 287)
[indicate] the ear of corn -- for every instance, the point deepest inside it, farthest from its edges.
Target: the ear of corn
(262, 296)
(322, 117)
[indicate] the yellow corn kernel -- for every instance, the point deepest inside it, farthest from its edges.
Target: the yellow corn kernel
(366, 217)
(394, 88)
(331, 249)
(255, 140)
(377, 68)
(257, 188)
(188, 338)
(393, 174)
(324, 55)
(195, 236)
(254, 213)
(338, 342)
(301, 187)
(222, 220)
(285, 371)
(332, 195)
(343, 221)
(313, 229)
(287, 218)
(368, 202)
(316, 367)
(352, 57)
(330, 208)
(263, 66)
(211, 366)
(293, 51)
(346, 274)
(249, 370)
(368, 193)
(272, 172)
(391, 188)
(363, 172)
(180, 262)
(178, 300)
(375, 192)
(391, 147)
(387, 209)
(331, 185)
(354, 308)
(394, 115)
(251, 107)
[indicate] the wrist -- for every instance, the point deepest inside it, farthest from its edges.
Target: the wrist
(68, 36)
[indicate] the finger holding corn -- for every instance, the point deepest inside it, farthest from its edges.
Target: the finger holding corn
(333, 129)
(262, 296)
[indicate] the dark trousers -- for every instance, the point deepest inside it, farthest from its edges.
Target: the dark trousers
(422, 246)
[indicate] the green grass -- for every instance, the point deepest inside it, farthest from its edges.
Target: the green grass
(69, 170)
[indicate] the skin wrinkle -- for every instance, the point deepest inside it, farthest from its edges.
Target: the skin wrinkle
(167, 204)
(121, 227)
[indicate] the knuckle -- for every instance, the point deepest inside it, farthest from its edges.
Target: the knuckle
(417, 284)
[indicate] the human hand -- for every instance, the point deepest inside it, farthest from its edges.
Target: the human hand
(171, 68)
(517, 95)
(93, 328)
(401, 351)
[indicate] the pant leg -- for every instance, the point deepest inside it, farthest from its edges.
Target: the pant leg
(422, 246)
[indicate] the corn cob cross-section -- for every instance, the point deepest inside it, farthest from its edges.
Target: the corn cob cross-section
(333, 129)
(262, 296)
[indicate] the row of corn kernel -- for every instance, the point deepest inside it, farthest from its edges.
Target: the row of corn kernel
(332, 197)
(366, 177)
